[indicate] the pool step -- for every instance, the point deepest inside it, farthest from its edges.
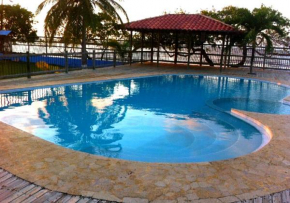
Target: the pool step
(286, 100)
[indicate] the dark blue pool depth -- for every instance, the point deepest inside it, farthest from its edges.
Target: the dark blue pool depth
(154, 119)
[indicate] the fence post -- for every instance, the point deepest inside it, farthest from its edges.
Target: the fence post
(229, 58)
(142, 47)
(46, 45)
(200, 57)
(28, 65)
(158, 49)
(152, 47)
(131, 46)
(28, 46)
(115, 58)
(222, 53)
(264, 60)
(226, 54)
(94, 59)
(66, 61)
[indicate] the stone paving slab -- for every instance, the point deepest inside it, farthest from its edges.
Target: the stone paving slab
(76, 173)
(20, 190)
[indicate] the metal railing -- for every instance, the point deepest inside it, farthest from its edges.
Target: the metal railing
(55, 58)
(20, 65)
(279, 59)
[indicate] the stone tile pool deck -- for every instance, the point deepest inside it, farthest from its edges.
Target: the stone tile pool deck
(55, 168)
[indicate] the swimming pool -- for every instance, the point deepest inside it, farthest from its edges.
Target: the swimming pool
(169, 119)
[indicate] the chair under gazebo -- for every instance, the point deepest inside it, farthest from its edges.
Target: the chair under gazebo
(190, 25)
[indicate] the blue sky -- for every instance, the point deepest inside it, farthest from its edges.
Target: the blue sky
(139, 9)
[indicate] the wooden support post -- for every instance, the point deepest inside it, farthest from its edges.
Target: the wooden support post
(200, 59)
(28, 65)
(226, 55)
(131, 45)
(230, 53)
(188, 50)
(222, 53)
(142, 46)
(158, 49)
(152, 46)
(94, 59)
(176, 48)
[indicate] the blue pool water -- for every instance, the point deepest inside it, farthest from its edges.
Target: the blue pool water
(171, 119)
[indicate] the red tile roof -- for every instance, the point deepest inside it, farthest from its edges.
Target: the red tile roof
(181, 22)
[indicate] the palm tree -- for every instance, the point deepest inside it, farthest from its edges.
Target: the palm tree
(75, 17)
(261, 26)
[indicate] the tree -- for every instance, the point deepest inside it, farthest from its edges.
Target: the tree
(261, 26)
(77, 17)
(177, 11)
(79, 123)
(122, 48)
(20, 21)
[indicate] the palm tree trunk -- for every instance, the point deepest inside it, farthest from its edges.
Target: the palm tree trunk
(252, 58)
(242, 62)
(84, 45)
(205, 55)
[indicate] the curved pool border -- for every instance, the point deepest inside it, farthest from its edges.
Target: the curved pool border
(266, 134)
(56, 168)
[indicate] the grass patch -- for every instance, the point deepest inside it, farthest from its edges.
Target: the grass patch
(8, 67)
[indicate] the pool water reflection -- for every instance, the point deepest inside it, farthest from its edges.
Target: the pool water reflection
(153, 119)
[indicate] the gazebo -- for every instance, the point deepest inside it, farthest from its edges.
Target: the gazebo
(185, 24)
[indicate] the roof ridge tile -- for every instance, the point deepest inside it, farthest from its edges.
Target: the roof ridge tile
(189, 22)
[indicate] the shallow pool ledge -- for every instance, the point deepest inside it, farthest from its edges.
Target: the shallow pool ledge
(286, 100)
(263, 172)
(265, 130)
